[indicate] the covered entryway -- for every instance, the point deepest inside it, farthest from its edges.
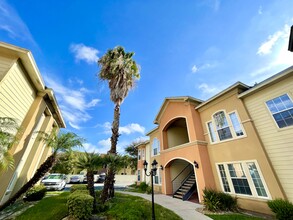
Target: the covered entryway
(181, 180)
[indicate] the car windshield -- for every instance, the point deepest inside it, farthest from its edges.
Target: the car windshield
(54, 177)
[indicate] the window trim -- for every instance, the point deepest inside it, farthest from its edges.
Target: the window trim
(230, 126)
(248, 177)
(271, 114)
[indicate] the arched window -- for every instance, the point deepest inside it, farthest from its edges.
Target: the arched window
(222, 126)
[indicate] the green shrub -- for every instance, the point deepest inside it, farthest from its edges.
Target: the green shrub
(80, 206)
(227, 202)
(282, 208)
(218, 201)
(77, 187)
(149, 190)
(211, 200)
(143, 186)
(35, 193)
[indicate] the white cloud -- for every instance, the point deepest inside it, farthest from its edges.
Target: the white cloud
(73, 103)
(88, 147)
(127, 129)
(82, 52)
(104, 146)
(74, 126)
(267, 46)
(132, 128)
(206, 89)
(194, 69)
(259, 10)
(12, 24)
(280, 57)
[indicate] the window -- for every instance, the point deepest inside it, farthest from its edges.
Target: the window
(239, 179)
(282, 110)
(256, 180)
(157, 177)
(155, 147)
(212, 132)
(142, 154)
(138, 175)
(222, 126)
(236, 125)
(242, 178)
(224, 178)
(139, 155)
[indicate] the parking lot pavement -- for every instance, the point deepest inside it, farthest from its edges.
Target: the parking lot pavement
(184, 209)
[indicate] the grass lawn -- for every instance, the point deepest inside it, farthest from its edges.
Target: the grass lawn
(49, 208)
(121, 207)
(132, 207)
(235, 216)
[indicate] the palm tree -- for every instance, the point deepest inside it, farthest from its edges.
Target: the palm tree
(90, 162)
(113, 163)
(59, 143)
(8, 130)
(120, 71)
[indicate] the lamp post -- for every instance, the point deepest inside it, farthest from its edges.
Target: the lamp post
(152, 173)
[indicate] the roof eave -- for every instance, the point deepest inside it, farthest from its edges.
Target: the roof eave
(273, 79)
(235, 85)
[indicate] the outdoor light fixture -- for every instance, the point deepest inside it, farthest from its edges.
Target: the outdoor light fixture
(161, 167)
(195, 164)
(152, 173)
(290, 46)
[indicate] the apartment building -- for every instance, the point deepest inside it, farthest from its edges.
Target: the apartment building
(239, 142)
(25, 98)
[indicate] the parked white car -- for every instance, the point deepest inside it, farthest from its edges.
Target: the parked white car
(55, 181)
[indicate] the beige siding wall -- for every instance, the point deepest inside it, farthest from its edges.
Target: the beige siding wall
(5, 64)
(277, 142)
(16, 93)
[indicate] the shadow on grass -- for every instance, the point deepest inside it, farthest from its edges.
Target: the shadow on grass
(49, 208)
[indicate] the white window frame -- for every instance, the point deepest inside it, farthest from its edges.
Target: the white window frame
(230, 126)
(248, 177)
(272, 114)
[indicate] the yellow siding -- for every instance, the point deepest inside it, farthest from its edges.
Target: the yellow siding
(277, 142)
(16, 94)
(5, 64)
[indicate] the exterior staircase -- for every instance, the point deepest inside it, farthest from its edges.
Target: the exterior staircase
(186, 189)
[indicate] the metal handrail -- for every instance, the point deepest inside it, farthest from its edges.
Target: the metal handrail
(176, 185)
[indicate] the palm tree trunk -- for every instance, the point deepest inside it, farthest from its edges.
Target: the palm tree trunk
(115, 129)
(109, 179)
(91, 187)
(44, 168)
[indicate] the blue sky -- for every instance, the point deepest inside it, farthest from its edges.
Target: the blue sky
(195, 48)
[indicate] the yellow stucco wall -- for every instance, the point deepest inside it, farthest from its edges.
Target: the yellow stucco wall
(244, 148)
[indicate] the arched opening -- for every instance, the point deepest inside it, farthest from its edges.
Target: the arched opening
(181, 180)
(176, 133)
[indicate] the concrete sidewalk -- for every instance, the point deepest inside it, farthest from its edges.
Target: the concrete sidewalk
(184, 209)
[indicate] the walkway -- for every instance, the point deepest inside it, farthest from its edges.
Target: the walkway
(184, 209)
